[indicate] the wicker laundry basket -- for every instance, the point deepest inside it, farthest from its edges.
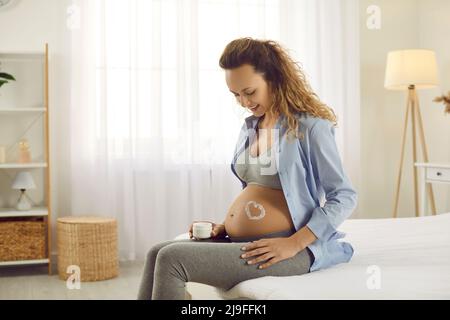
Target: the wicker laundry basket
(22, 239)
(89, 243)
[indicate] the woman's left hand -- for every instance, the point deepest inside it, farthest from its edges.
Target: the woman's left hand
(274, 250)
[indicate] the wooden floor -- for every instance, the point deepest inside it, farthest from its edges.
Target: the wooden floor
(29, 283)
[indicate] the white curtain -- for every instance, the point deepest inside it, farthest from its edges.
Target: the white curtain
(324, 38)
(152, 123)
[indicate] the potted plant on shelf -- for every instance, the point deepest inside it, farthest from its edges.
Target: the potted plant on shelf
(5, 78)
(446, 100)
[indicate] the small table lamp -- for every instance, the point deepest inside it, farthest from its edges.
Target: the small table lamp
(23, 182)
(411, 70)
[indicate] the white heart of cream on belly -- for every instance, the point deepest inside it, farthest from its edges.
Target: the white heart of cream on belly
(261, 212)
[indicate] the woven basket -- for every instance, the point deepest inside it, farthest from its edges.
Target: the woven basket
(89, 243)
(22, 239)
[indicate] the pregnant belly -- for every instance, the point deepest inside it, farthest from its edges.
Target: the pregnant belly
(256, 211)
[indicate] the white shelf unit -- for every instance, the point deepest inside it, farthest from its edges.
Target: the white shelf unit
(13, 213)
(33, 165)
(21, 110)
(23, 262)
(20, 101)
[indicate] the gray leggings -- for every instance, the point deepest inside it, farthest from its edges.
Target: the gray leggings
(170, 264)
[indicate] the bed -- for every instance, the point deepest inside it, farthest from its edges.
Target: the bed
(403, 258)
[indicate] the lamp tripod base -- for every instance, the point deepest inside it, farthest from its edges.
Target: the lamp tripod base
(413, 106)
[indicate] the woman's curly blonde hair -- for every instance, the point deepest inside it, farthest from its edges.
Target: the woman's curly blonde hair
(291, 91)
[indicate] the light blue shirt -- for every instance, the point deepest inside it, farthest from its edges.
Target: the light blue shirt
(310, 169)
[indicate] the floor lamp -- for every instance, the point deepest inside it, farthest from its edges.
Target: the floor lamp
(412, 70)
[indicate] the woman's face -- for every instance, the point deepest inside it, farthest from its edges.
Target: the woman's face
(250, 89)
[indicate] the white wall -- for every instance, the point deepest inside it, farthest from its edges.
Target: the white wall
(27, 26)
(405, 24)
(434, 32)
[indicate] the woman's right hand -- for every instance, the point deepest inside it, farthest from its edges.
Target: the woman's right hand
(218, 230)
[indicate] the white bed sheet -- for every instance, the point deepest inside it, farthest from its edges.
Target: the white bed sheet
(412, 254)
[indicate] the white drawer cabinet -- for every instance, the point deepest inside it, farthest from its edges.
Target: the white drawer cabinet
(439, 174)
(432, 173)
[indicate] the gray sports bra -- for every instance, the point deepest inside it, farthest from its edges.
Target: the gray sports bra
(260, 170)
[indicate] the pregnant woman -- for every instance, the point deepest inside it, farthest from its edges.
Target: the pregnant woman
(287, 160)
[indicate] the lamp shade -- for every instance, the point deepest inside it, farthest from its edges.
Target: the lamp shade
(416, 67)
(23, 180)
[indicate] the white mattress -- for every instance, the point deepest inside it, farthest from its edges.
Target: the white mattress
(412, 254)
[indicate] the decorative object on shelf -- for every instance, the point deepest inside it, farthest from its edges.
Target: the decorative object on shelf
(446, 100)
(23, 182)
(24, 151)
(2, 154)
(5, 77)
(411, 70)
